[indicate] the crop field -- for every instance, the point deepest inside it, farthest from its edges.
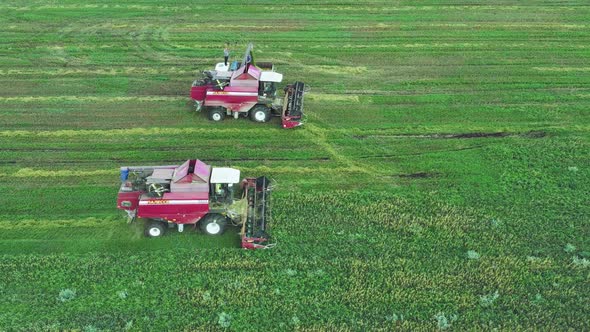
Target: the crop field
(441, 179)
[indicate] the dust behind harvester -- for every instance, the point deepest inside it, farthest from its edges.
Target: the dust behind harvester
(246, 89)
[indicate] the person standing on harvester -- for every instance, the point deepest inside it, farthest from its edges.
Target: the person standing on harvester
(225, 54)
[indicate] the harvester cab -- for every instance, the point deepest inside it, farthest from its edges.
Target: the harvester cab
(197, 194)
(248, 88)
(222, 185)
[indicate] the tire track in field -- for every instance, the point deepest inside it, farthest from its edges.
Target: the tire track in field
(387, 156)
(318, 136)
(146, 41)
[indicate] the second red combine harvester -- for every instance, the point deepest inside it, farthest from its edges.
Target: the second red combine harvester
(245, 89)
(195, 193)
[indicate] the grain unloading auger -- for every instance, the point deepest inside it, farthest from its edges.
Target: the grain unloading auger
(197, 194)
(248, 89)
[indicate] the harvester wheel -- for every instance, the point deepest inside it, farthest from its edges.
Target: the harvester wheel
(213, 224)
(260, 113)
(154, 229)
(216, 114)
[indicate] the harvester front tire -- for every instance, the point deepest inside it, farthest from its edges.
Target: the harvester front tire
(154, 229)
(214, 224)
(260, 113)
(216, 114)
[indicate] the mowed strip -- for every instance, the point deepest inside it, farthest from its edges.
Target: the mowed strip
(44, 173)
(383, 6)
(95, 71)
(34, 99)
(125, 132)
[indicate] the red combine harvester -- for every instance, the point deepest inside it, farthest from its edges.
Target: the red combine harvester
(248, 90)
(197, 194)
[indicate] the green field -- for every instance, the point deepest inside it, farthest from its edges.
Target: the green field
(441, 179)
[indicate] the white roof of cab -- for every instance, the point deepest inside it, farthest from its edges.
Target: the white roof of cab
(225, 175)
(271, 76)
(222, 67)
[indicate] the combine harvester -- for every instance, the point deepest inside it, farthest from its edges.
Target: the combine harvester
(197, 194)
(248, 90)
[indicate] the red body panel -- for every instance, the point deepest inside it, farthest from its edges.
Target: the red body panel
(241, 89)
(239, 96)
(186, 201)
(228, 98)
(253, 242)
(236, 99)
(246, 73)
(180, 208)
(198, 92)
(128, 200)
(288, 122)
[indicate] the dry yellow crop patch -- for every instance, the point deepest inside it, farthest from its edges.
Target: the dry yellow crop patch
(102, 6)
(338, 70)
(33, 99)
(487, 25)
(562, 69)
(87, 71)
(56, 223)
(43, 173)
(332, 97)
(301, 170)
(503, 25)
(360, 70)
(31, 173)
